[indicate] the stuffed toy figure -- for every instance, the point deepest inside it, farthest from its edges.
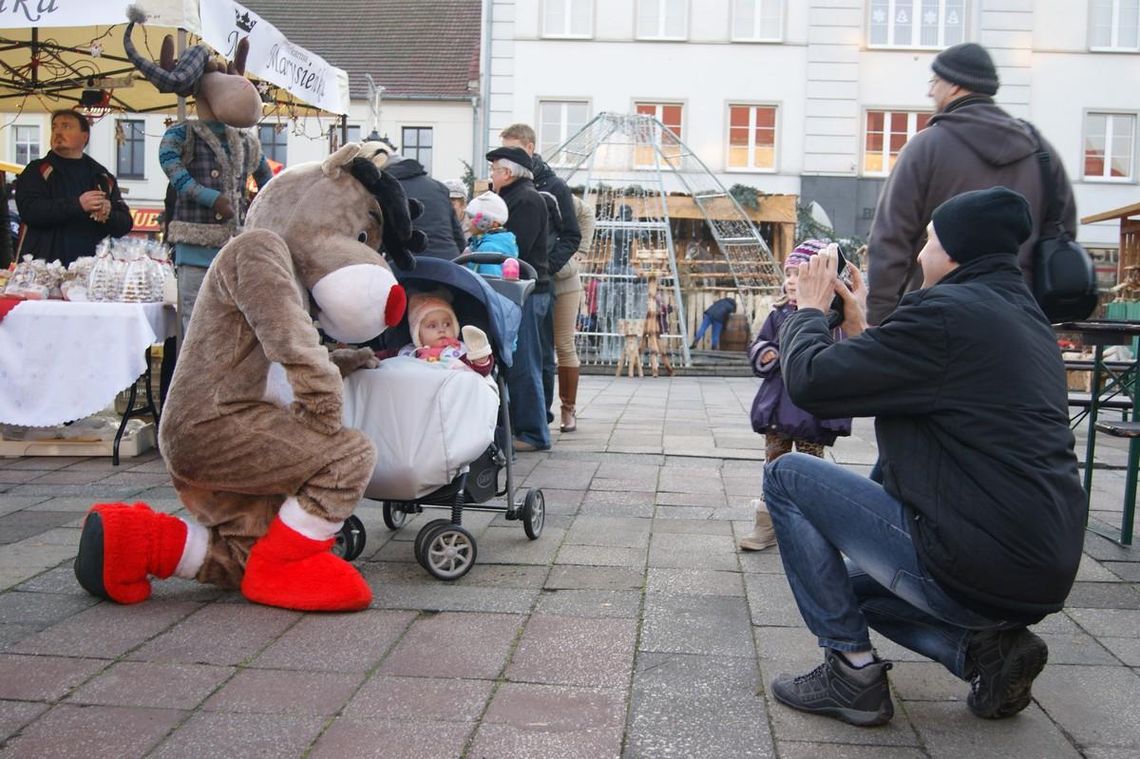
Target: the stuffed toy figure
(209, 159)
(251, 430)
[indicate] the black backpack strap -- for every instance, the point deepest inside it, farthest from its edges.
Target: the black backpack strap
(1044, 163)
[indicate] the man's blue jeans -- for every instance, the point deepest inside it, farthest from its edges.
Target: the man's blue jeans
(823, 512)
(716, 325)
(524, 380)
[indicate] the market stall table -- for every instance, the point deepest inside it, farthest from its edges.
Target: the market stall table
(61, 361)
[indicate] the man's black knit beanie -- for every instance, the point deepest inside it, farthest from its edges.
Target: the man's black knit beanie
(967, 65)
(982, 222)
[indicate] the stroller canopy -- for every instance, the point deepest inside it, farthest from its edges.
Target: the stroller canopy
(473, 299)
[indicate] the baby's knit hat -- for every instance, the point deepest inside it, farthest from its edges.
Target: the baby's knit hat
(485, 210)
(420, 305)
(803, 252)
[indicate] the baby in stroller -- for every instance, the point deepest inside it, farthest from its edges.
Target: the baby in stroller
(435, 331)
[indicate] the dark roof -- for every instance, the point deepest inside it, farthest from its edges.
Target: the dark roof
(425, 48)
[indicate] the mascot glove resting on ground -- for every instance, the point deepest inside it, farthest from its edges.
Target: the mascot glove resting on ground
(251, 430)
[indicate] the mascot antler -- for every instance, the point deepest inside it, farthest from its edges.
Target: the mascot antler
(181, 77)
(400, 239)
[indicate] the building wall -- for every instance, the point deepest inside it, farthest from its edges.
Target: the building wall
(824, 77)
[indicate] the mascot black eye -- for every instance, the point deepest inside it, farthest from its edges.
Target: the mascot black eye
(362, 237)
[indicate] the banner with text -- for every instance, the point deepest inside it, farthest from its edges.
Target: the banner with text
(272, 57)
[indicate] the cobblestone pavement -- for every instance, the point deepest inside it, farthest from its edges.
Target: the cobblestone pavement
(631, 628)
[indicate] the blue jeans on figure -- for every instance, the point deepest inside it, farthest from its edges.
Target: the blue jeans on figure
(822, 512)
(524, 379)
(716, 325)
(546, 334)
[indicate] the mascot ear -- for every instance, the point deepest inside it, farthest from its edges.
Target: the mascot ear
(400, 239)
(342, 159)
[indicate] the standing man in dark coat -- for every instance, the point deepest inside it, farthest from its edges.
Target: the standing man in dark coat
(977, 527)
(511, 172)
(564, 244)
(969, 144)
(67, 200)
(438, 221)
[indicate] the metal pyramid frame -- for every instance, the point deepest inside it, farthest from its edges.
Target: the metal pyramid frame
(637, 173)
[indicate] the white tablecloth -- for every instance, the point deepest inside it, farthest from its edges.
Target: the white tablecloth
(61, 361)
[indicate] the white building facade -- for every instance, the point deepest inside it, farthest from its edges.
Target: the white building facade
(816, 97)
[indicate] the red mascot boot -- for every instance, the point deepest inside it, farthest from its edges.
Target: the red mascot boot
(121, 546)
(293, 571)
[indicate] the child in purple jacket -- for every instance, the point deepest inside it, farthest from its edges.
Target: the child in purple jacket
(782, 422)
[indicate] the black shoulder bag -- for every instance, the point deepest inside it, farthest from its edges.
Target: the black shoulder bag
(1064, 281)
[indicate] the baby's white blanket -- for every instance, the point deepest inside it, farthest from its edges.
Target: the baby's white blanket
(427, 423)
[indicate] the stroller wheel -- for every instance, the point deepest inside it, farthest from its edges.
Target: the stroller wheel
(418, 545)
(534, 513)
(350, 540)
(394, 515)
(448, 552)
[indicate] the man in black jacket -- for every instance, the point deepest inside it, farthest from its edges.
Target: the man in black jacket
(438, 221)
(67, 200)
(564, 240)
(511, 172)
(976, 529)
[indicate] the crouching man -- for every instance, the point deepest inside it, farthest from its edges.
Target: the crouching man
(976, 529)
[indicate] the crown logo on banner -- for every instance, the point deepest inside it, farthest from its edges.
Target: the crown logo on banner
(244, 22)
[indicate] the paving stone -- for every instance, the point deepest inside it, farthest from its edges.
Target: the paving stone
(696, 624)
(926, 681)
(223, 634)
(419, 699)
(801, 750)
(163, 686)
(15, 714)
(589, 603)
(11, 634)
(1091, 570)
(950, 730)
(106, 630)
(93, 731)
(595, 578)
(509, 545)
(551, 722)
(1125, 570)
(1102, 595)
(602, 556)
(561, 650)
(454, 644)
(43, 678)
(1087, 704)
(1077, 648)
(282, 691)
(392, 739)
(241, 736)
(1120, 623)
(694, 581)
(433, 595)
(688, 526)
(41, 609)
(1126, 649)
(696, 706)
(693, 551)
(336, 643)
(771, 600)
(609, 531)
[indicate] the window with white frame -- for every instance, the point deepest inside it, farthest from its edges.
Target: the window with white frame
(752, 137)
(25, 143)
(662, 19)
(558, 121)
(669, 114)
(916, 23)
(567, 18)
(884, 136)
(1110, 146)
(1114, 25)
(758, 20)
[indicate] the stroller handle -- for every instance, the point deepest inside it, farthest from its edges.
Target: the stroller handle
(526, 271)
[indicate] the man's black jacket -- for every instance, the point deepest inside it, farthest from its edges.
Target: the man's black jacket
(444, 234)
(569, 236)
(968, 391)
(526, 217)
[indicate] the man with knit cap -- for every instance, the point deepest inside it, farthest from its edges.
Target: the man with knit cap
(975, 530)
(969, 144)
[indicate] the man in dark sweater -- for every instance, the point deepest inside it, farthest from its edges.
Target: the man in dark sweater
(977, 527)
(67, 201)
(563, 245)
(969, 144)
(511, 172)
(716, 316)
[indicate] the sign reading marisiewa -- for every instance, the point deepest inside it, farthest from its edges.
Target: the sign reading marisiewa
(272, 57)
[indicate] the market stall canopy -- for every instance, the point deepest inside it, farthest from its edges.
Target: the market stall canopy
(61, 53)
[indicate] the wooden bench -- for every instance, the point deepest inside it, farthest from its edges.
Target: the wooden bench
(1131, 431)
